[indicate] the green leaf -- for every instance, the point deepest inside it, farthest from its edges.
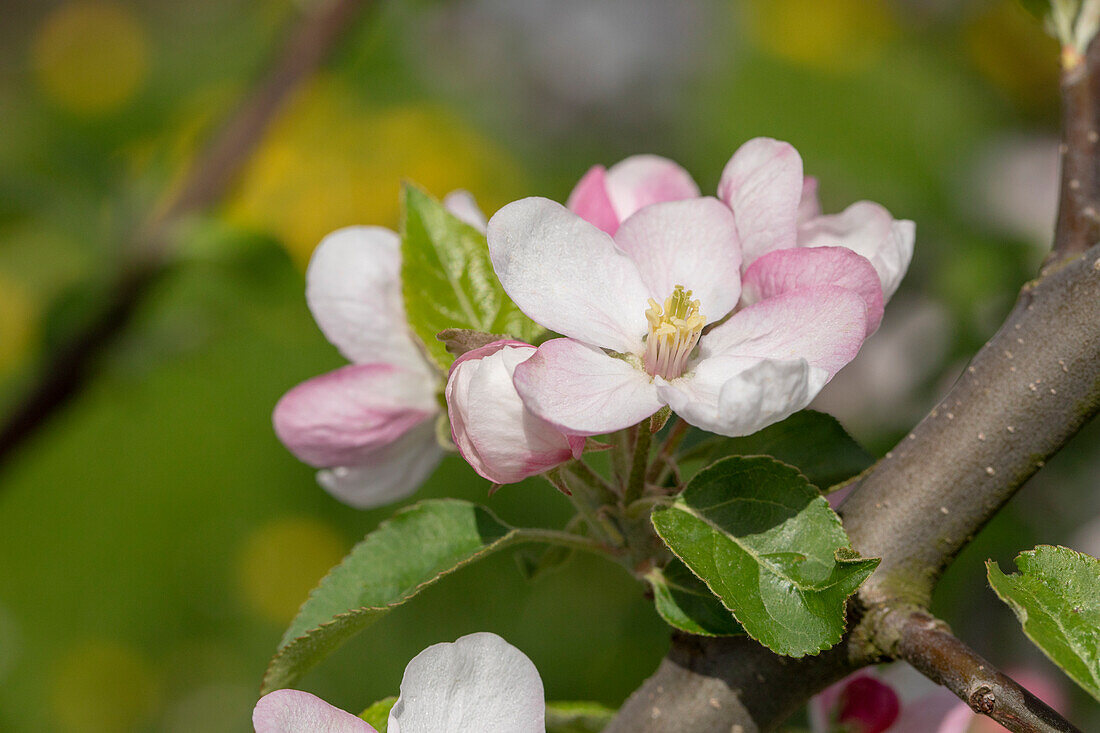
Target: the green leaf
(1056, 596)
(686, 603)
(813, 441)
(448, 281)
(576, 717)
(765, 541)
(412, 549)
(378, 714)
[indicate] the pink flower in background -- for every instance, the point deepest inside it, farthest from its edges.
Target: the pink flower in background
(478, 684)
(898, 699)
(493, 430)
(370, 426)
(775, 209)
(635, 311)
(860, 703)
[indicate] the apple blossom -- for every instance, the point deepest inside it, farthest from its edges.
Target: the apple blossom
(477, 684)
(644, 316)
(775, 208)
(494, 432)
(370, 426)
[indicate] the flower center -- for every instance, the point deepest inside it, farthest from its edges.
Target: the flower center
(673, 333)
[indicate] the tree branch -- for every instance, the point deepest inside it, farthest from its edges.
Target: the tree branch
(719, 685)
(210, 177)
(927, 644)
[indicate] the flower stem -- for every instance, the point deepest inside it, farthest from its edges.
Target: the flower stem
(635, 484)
(590, 494)
(567, 539)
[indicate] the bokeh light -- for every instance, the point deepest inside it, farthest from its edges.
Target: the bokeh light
(103, 686)
(17, 323)
(832, 35)
(281, 561)
(329, 162)
(91, 57)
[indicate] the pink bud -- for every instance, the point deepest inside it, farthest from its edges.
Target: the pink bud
(492, 429)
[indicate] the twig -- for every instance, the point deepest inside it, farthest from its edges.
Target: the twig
(1078, 226)
(927, 644)
(73, 363)
(635, 483)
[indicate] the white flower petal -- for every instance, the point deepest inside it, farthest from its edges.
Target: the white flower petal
(809, 205)
(867, 229)
(464, 206)
(353, 287)
(294, 711)
(738, 395)
(691, 243)
(763, 185)
(478, 684)
(387, 474)
(584, 391)
(567, 275)
(824, 325)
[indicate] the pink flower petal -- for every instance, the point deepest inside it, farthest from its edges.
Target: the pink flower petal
(690, 243)
(567, 275)
(388, 473)
(583, 390)
(337, 418)
(738, 395)
(464, 206)
(294, 711)
(808, 206)
(353, 287)
(800, 268)
(493, 430)
(763, 184)
(478, 684)
(589, 200)
(641, 180)
(867, 229)
(824, 325)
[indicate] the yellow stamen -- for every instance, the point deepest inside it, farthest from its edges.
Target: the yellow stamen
(673, 333)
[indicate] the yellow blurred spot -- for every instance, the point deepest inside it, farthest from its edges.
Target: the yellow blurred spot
(834, 35)
(282, 561)
(90, 57)
(17, 324)
(103, 686)
(1014, 52)
(329, 163)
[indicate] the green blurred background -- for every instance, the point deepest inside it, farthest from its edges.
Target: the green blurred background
(155, 538)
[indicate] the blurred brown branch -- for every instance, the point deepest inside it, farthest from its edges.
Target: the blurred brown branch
(208, 181)
(1023, 396)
